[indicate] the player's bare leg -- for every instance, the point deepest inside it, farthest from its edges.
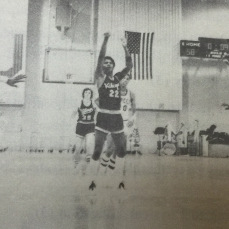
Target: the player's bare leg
(89, 148)
(100, 138)
(77, 153)
(120, 149)
(109, 156)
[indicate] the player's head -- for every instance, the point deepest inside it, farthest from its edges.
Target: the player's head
(108, 64)
(124, 82)
(87, 93)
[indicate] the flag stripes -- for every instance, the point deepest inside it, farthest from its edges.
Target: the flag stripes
(140, 46)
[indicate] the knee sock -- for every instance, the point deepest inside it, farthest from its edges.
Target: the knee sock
(104, 160)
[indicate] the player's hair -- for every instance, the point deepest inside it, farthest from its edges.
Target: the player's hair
(111, 59)
(87, 89)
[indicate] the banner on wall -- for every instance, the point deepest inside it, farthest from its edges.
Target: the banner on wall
(12, 50)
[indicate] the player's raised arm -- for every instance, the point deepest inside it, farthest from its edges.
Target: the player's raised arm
(99, 69)
(128, 58)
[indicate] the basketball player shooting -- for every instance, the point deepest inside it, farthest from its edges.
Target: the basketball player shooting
(109, 119)
(128, 109)
(128, 112)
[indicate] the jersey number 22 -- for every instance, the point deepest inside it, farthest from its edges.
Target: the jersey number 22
(114, 93)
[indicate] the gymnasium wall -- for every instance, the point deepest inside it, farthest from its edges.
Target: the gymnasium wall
(13, 51)
(158, 100)
(163, 18)
(205, 82)
(13, 30)
(48, 107)
(44, 120)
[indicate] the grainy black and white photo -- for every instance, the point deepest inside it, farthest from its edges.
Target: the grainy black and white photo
(114, 114)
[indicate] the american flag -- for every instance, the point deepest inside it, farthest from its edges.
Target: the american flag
(140, 46)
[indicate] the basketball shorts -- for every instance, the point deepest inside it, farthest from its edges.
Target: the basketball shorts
(83, 129)
(109, 123)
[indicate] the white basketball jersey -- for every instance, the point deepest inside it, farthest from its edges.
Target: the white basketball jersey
(126, 105)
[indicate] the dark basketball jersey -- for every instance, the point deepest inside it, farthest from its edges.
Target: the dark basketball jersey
(86, 114)
(109, 93)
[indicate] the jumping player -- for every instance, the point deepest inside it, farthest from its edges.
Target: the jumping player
(85, 126)
(109, 119)
(128, 111)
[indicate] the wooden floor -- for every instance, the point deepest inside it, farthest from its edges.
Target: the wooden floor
(43, 191)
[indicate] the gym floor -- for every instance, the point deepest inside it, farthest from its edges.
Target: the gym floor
(43, 191)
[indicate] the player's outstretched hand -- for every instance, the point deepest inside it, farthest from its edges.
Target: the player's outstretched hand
(16, 79)
(124, 41)
(107, 34)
